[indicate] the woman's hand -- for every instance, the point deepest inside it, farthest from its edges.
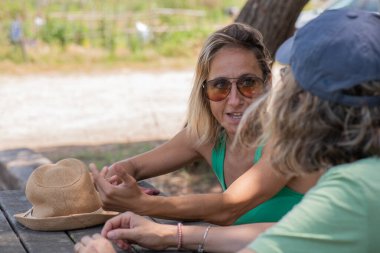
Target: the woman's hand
(126, 195)
(94, 244)
(110, 175)
(110, 172)
(128, 228)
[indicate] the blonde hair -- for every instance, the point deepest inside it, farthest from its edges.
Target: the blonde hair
(309, 134)
(200, 121)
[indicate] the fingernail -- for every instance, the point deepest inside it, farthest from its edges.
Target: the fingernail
(111, 235)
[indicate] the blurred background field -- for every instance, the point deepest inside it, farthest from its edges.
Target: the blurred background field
(80, 78)
(96, 36)
(117, 53)
(87, 34)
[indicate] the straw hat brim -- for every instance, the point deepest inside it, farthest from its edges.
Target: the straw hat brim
(69, 222)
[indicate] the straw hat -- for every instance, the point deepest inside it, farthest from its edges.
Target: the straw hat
(63, 198)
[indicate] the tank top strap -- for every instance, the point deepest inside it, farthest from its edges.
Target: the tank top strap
(217, 160)
(258, 154)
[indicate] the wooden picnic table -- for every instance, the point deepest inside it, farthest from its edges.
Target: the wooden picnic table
(15, 238)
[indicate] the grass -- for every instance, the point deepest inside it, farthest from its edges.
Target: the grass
(96, 33)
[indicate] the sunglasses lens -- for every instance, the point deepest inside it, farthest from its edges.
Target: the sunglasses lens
(250, 86)
(218, 89)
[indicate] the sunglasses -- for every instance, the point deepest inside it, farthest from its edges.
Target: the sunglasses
(218, 89)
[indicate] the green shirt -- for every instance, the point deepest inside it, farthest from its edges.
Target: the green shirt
(341, 214)
(270, 211)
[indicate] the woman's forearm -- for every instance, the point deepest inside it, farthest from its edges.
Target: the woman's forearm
(222, 239)
(254, 187)
(216, 208)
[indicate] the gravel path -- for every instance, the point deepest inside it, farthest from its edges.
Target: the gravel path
(90, 109)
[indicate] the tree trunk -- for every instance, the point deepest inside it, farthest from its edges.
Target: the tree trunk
(275, 19)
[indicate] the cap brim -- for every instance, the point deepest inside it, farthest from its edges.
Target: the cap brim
(284, 52)
(59, 223)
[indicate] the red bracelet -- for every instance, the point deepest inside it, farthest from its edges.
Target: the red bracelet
(179, 235)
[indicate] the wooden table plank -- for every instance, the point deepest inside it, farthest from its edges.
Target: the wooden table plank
(9, 242)
(13, 202)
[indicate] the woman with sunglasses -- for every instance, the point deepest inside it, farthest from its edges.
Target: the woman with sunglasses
(233, 70)
(324, 116)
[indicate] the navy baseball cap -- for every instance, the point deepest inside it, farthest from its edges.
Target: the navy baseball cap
(334, 52)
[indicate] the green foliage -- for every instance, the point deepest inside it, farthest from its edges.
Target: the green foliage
(134, 44)
(167, 44)
(110, 26)
(80, 34)
(55, 32)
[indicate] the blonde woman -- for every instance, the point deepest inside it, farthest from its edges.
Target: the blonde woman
(324, 118)
(233, 70)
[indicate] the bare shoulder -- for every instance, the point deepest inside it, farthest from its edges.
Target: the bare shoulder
(299, 184)
(192, 142)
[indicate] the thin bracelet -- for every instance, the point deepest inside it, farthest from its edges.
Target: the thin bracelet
(179, 235)
(201, 246)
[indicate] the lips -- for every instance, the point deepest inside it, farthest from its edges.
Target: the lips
(235, 115)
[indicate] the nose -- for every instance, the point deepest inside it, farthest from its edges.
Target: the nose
(234, 98)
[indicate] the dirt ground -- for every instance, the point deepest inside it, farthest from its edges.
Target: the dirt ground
(49, 110)
(90, 109)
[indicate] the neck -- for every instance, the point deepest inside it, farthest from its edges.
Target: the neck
(229, 138)
(237, 149)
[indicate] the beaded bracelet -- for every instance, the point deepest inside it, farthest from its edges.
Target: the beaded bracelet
(179, 235)
(201, 246)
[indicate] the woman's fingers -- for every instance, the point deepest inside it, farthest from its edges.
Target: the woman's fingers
(104, 172)
(78, 247)
(124, 176)
(114, 180)
(94, 244)
(101, 184)
(123, 244)
(113, 223)
(85, 240)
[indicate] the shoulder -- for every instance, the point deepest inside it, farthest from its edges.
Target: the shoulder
(337, 209)
(359, 173)
(356, 182)
(184, 137)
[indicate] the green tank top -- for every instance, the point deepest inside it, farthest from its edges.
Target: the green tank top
(271, 210)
